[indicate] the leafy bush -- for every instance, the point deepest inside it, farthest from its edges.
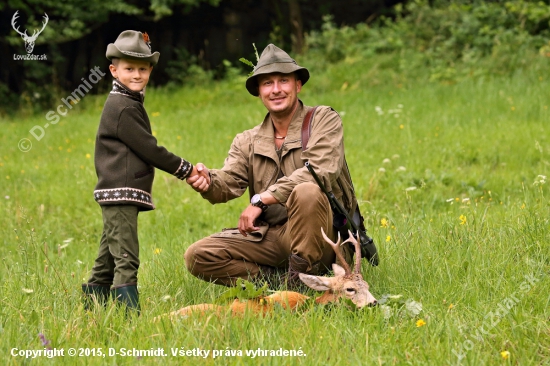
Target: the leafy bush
(452, 39)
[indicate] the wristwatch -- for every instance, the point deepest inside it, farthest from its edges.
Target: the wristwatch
(256, 201)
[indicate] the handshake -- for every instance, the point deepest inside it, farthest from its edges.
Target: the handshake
(199, 179)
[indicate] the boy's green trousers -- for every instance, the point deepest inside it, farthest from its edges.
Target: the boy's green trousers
(117, 262)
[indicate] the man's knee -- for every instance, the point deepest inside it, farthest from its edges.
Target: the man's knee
(191, 259)
(306, 192)
(307, 196)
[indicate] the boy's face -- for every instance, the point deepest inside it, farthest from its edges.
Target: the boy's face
(132, 73)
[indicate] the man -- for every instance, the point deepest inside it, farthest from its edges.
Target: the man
(281, 227)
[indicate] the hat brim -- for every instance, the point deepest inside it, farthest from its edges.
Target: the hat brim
(114, 52)
(281, 67)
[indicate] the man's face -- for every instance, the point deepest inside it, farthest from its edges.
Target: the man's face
(133, 74)
(279, 92)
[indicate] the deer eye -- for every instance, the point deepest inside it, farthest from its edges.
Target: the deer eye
(349, 289)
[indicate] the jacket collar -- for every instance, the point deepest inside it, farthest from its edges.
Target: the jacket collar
(264, 138)
(119, 88)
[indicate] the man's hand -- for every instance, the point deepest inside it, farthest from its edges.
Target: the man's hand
(199, 179)
(251, 213)
(247, 219)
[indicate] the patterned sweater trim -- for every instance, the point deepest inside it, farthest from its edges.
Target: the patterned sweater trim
(184, 169)
(123, 195)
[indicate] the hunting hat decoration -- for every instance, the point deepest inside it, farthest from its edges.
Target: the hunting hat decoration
(132, 45)
(274, 59)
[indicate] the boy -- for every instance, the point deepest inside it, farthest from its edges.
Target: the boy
(126, 154)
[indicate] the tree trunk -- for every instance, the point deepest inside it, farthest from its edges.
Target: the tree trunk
(296, 24)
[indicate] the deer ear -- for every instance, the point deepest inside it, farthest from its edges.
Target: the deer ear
(316, 282)
(338, 270)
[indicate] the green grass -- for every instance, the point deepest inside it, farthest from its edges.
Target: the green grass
(461, 242)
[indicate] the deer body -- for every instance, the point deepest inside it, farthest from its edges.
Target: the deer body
(289, 300)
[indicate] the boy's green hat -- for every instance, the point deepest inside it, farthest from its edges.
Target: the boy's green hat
(132, 45)
(274, 59)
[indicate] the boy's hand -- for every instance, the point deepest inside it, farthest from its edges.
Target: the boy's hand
(199, 179)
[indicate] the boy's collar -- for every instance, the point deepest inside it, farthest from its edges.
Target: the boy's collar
(119, 88)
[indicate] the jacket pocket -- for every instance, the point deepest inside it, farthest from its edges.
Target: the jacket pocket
(254, 236)
(144, 173)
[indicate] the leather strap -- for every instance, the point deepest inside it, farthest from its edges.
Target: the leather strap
(306, 127)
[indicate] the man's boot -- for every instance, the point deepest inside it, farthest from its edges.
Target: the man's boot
(127, 294)
(297, 265)
(95, 293)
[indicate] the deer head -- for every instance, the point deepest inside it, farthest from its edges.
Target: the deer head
(29, 40)
(344, 284)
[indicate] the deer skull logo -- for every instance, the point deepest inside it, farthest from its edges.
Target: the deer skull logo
(29, 40)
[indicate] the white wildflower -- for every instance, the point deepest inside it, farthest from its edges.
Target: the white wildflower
(410, 189)
(401, 169)
(386, 161)
(381, 170)
(540, 180)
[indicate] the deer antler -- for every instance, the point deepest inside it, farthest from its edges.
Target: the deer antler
(34, 35)
(336, 247)
(13, 19)
(357, 268)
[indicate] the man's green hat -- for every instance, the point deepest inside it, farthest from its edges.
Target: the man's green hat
(274, 59)
(132, 45)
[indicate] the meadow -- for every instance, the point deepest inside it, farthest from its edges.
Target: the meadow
(451, 178)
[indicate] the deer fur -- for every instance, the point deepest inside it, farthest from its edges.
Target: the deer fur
(289, 300)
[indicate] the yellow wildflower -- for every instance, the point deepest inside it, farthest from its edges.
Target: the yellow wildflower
(505, 355)
(384, 222)
(157, 251)
(420, 323)
(462, 220)
(88, 156)
(388, 238)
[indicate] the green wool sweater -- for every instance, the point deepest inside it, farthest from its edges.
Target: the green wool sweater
(126, 152)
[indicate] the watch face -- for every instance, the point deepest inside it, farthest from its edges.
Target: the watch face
(256, 201)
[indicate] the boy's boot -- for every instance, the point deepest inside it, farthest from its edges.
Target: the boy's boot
(95, 293)
(128, 295)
